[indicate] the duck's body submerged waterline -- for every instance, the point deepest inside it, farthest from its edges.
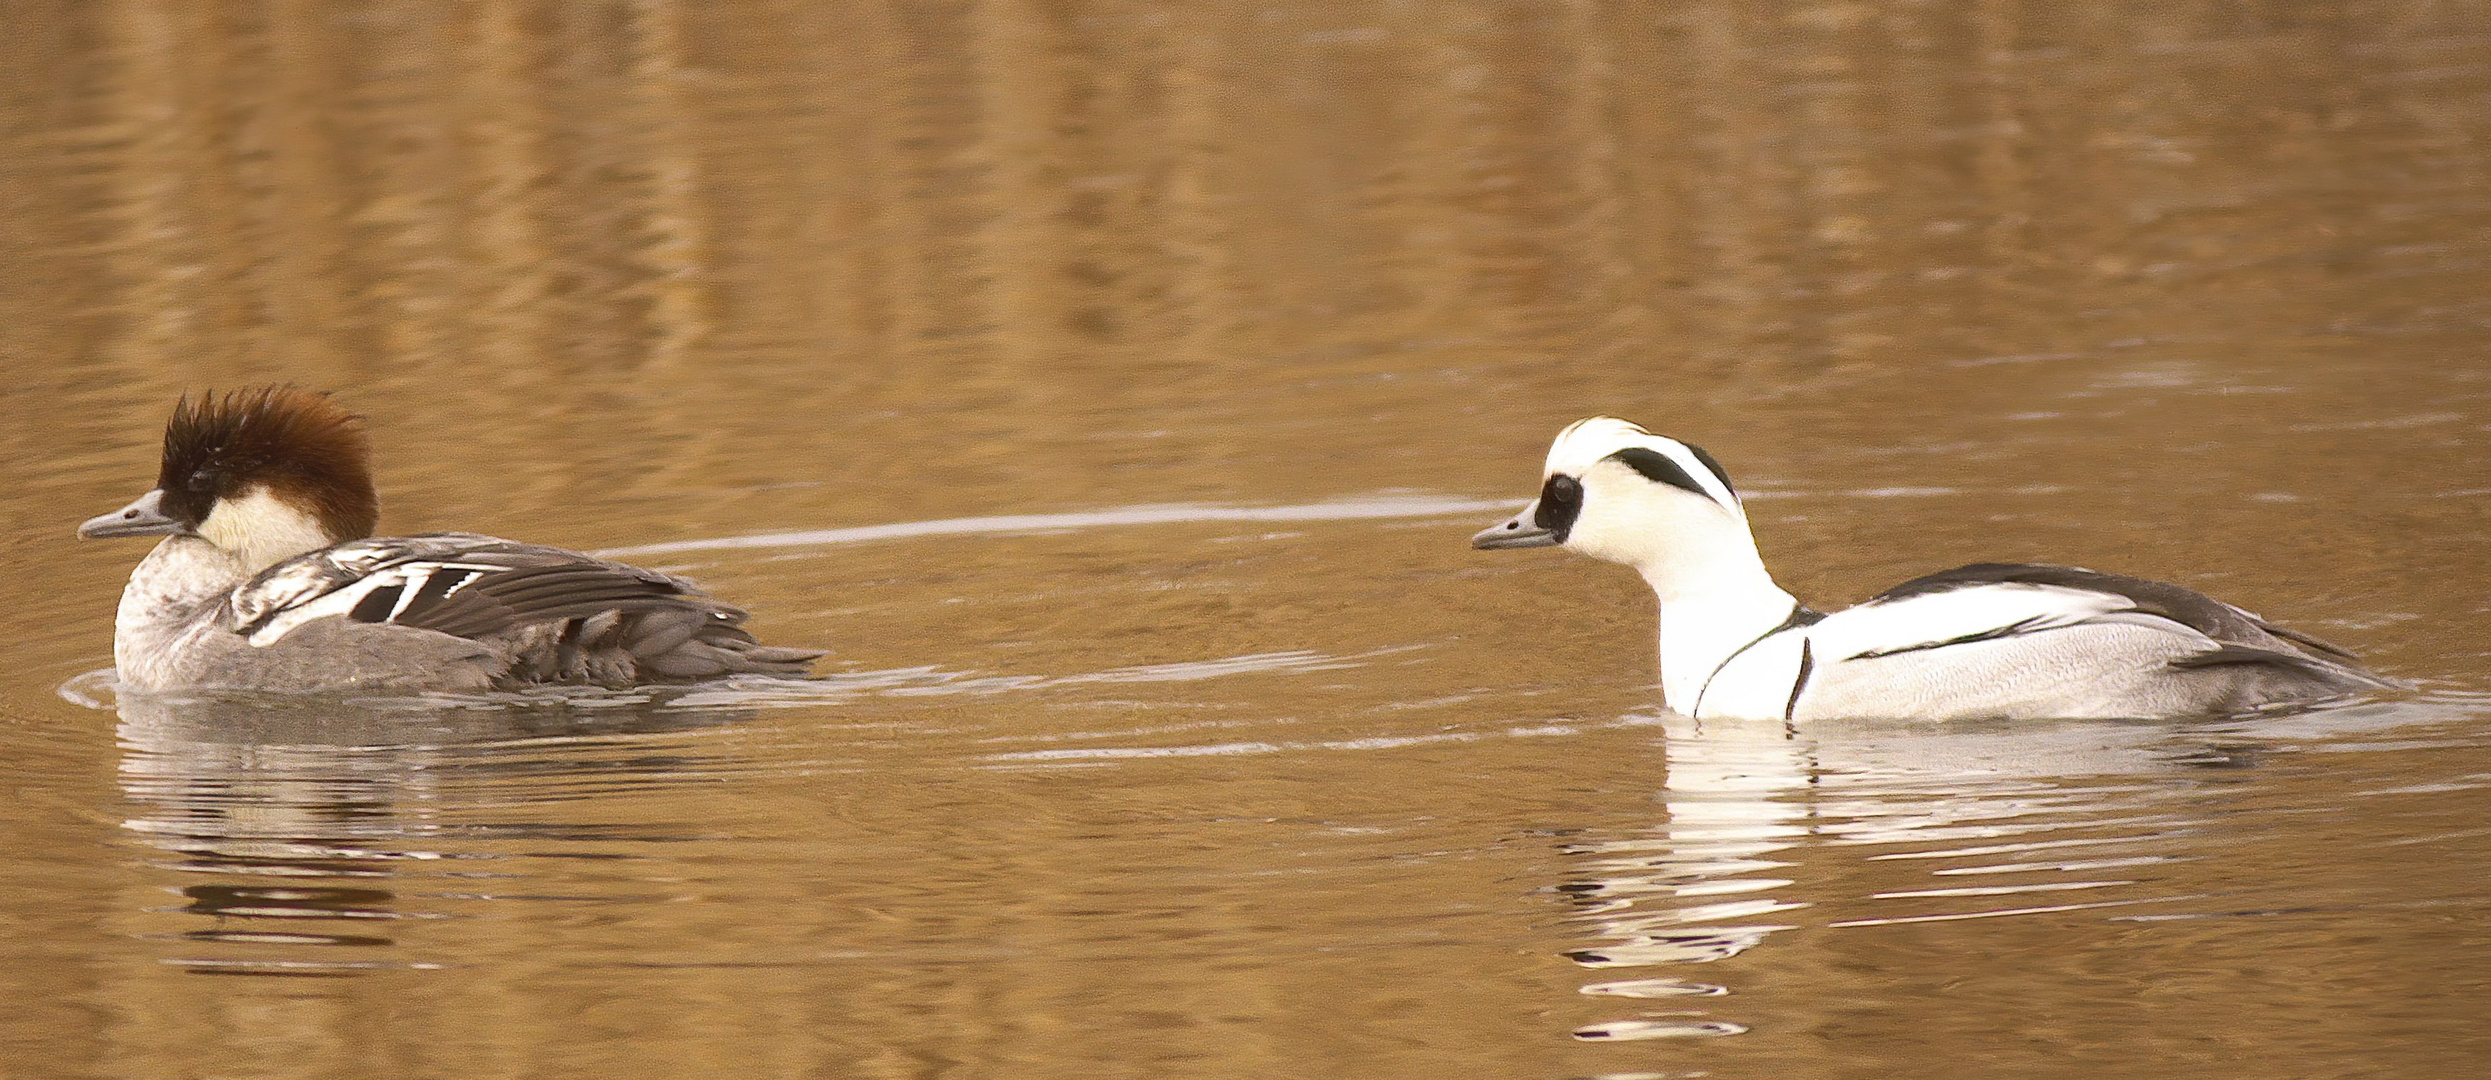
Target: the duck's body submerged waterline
(267, 579)
(1986, 641)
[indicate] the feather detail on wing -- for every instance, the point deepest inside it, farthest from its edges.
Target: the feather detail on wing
(1888, 626)
(2188, 607)
(525, 598)
(1986, 601)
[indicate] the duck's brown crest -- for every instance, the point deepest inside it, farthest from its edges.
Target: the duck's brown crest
(297, 443)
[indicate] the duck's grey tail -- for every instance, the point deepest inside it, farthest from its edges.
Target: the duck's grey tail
(2264, 679)
(687, 639)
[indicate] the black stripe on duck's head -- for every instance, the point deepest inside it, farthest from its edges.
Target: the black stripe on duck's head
(1660, 459)
(298, 446)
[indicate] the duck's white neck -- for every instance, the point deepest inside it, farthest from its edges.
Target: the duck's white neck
(1708, 612)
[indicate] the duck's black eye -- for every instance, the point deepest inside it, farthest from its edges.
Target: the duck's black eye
(203, 480)
(1561, 501)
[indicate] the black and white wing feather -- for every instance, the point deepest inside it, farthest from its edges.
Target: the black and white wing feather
(557, 614)
(2215, 619)
(1996, 601)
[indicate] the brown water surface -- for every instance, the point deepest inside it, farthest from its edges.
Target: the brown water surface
(1104, 788)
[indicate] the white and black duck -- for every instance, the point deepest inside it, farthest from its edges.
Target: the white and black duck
(1990, 640)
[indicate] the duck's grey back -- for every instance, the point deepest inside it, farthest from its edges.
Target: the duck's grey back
(542, 614)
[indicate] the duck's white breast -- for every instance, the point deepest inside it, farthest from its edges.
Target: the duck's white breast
(1757, 683)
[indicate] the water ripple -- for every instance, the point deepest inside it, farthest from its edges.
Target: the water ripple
(1351, 509)
(1656, 1028)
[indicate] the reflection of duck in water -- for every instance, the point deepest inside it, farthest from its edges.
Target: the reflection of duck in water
(290, 818)
(1985, 641)
(269, 579)
(1754, 812)
(1701, 887)
(1788, 852)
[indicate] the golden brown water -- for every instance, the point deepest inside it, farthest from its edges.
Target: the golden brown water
(2194, 290)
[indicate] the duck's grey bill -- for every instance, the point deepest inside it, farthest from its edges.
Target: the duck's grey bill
(143, 517)
(1516, 532)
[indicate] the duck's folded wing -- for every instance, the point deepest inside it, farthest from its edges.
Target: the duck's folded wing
(2206, 615)
(524, 597)
(1988, 601)
(1905, 622)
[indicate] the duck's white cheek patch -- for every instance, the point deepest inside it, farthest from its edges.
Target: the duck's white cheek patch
(262, 529)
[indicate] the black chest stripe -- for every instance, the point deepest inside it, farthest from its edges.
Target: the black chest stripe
(1800, 615)
(1807, 667)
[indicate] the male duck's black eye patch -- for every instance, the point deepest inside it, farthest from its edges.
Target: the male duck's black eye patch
(1561, 501)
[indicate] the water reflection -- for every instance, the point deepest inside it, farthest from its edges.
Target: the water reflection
(291, 827)
(1677, 894)
(1879, 825)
